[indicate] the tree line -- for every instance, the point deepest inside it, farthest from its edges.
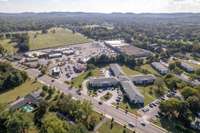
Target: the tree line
(10, 77)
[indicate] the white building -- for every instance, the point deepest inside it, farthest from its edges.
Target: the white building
(56, 55)
(187, 67)
(160, 68)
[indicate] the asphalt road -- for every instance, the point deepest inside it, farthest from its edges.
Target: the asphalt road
(109, 111)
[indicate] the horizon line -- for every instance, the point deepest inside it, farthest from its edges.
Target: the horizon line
(38, 12)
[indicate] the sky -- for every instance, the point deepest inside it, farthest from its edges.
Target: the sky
(103, 6)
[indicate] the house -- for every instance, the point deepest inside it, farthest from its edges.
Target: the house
(160, 68)
(132, 93)
(187, 67)
(143, 79)
(116, 70)
(32, 98)
(56, 71)
(103, 82)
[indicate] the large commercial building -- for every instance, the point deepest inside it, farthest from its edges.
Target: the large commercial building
(160, 68)
(121, 47)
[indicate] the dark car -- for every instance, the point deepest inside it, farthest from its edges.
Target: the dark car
(100, 103)
(151, 105)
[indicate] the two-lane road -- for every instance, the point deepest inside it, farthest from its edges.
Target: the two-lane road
(109, 111)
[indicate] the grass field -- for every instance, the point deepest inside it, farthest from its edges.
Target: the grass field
(105, 128)
(148, 97)
(21, 90)
(150, 69)
(53, 39)
(129, 71)
(76, 82)
(8, 46)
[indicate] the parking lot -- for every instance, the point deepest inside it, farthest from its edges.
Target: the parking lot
(68, 66)
(152, 110)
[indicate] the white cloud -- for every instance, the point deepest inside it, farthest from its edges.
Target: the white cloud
(3, 0)
(138, 6)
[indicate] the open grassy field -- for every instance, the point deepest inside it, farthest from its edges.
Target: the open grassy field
(8, 46)
(146, 91)
(77, 82)
(150, 69)
(21, 90)
(129, 71)
(55, 37)
(105, 128)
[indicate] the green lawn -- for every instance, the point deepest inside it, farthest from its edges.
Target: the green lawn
(8, 46)
(77, 82)
(129, 71)
(21, 90)
(105, 128)
(59, 38)
(131, 108)
(150, 69)
(148, 94)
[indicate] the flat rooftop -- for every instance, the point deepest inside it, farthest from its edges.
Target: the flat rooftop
(116, 43)
(134, 51)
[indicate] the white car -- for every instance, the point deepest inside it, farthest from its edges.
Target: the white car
(131, 124)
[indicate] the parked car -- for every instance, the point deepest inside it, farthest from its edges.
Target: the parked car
(162, 98)
(100, 102)
(157, 101)
(151, 105)
(143, 123)
(131, 124)
(154, 104)
(145, 109)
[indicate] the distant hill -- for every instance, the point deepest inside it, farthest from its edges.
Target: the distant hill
(26, 21)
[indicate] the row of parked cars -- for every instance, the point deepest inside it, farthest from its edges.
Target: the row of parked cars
(157, 102)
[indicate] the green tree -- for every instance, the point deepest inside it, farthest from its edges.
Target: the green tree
(42, 109)
(188, 91)
(194, 104)
(159, 87)
(17, 123)
(52, 124)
